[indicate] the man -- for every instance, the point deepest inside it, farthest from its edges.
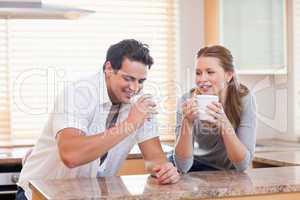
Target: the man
(95, 124)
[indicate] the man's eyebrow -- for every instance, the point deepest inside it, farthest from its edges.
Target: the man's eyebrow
(129, 76)
(134, 78)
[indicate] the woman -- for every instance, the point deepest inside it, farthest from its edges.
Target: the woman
(226, 141)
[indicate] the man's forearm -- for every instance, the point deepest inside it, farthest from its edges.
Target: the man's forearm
(78, 150)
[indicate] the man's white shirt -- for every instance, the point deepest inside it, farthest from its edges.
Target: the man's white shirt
(83, 105)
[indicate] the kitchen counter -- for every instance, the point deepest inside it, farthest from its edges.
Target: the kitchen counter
(12, 155)
(276, 153)
(278, 159)
(274, 145)
(262, 183)
(15, 154)
(134, 163)
(135, 152)
(269, 153)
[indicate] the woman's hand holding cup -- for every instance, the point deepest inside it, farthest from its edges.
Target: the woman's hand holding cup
(190, 110)
(219, 118)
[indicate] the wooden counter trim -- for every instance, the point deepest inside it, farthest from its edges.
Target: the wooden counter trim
(275, 196)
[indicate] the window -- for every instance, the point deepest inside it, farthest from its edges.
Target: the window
(295, 73)
(254, 31)
(38, 56)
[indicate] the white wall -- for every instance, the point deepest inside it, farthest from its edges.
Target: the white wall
(270, 90)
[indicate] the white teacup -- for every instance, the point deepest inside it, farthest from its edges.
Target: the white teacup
(155, 99)
(203, 101)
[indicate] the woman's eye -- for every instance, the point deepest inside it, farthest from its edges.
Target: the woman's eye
(210, 72)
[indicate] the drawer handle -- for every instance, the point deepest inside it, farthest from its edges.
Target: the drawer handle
(15, 178)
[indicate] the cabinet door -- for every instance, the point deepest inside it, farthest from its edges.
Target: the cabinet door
(132, 167)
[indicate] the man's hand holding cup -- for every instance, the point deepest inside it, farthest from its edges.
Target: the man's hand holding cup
(143, 108)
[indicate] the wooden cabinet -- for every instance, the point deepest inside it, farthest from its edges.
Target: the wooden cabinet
(211, 22)
(132, 167)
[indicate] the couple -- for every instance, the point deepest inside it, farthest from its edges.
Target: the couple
(94, 123)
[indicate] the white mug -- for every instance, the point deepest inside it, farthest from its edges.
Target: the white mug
(155, 99)
(203, 101)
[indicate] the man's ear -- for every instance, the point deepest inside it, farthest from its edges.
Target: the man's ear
(108, 68)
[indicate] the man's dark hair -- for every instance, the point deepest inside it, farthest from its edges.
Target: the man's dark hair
(131, 49)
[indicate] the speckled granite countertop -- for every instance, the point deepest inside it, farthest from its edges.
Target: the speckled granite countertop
(195, 185)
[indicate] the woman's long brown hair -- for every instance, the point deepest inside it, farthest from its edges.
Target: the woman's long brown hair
(235, 90)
